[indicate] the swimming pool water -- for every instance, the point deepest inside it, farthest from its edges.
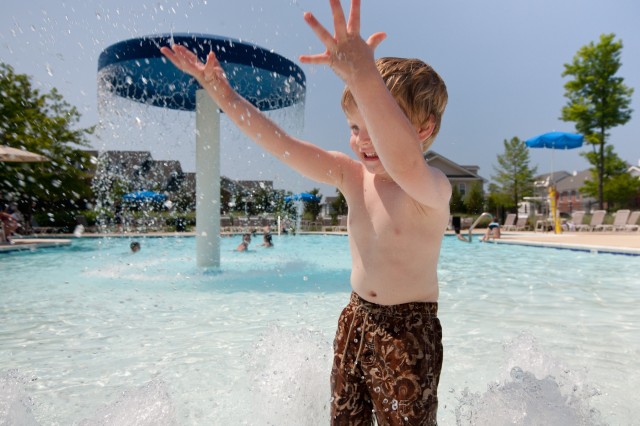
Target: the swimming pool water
(93, 334)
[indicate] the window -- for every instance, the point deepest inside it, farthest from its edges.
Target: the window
(462, 188)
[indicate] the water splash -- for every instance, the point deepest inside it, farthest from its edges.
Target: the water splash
(541, 392)
(149, 405)
(290, 378)
(15, 405)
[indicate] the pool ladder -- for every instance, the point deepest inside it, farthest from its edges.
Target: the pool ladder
(485, 214)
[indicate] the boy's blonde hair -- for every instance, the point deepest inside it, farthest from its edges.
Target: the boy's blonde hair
(417, 88)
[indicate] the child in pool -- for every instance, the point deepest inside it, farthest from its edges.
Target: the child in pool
(267, 240)
(244, 245)
(388, 346)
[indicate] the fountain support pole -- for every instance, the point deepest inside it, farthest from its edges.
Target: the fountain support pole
(207, 181)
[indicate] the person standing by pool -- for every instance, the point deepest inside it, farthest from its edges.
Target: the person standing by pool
(388, 345)
(457, 227)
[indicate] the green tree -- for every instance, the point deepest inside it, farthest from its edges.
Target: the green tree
(474, 200)
(514, 176)
(280, 206)
(44, 124)
(456, 203)
(263, 201)
(619, 186)
(598, 99)
(312, 208)
(497, 200)
(339, 205)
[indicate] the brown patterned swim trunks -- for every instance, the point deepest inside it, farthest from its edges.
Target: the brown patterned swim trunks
(387, 362)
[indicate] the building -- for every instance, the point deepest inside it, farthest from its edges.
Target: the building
(138, 170)
(568, 186)
(461, 177)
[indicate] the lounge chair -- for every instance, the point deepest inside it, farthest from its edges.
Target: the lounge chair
(596, 219)
(576, 218)
(510, 222)
(621, 217)
(632, 222)
(543, 224)
(522, 223)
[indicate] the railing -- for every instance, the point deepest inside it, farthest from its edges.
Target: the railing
(485, 214)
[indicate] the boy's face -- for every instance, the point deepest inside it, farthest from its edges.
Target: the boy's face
(360, 142)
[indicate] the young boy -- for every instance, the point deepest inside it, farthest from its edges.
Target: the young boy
(388, 346)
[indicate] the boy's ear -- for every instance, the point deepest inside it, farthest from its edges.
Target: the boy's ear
(425, 131)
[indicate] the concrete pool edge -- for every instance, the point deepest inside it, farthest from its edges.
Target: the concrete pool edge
(23, 244)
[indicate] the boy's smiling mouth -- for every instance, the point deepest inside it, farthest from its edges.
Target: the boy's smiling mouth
(370, 155)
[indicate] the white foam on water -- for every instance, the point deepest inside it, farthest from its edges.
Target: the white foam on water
(290, 383)
(149, 405)
(534, 390)
(15, 404)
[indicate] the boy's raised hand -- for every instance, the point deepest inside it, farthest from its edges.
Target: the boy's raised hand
(347, 53)
(210, 73)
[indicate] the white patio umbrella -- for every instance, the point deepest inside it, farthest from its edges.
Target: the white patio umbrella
(14, 155)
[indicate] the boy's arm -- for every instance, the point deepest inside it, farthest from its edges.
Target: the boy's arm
(395, 139)
(308, 159)
(398, 143)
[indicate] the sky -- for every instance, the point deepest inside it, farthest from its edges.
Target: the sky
(502, 61)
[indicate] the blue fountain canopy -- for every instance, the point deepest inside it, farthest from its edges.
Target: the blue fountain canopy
(556, 140)
(135, 69)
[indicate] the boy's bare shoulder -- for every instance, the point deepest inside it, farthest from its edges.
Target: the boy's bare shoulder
(441, 178)
(437, 190)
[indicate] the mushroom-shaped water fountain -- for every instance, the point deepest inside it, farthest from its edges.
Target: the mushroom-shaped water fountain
(135, 69)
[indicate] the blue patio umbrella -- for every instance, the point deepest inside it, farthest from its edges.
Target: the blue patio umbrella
(144, 196)
(303, 196)
(555, 140)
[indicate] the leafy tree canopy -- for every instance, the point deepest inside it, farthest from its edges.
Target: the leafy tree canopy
(44, 124)
(312, 208)
(514, 176)
(456, 203)
(597, 98)
(474, 199)
(619, 186)
(339, 205)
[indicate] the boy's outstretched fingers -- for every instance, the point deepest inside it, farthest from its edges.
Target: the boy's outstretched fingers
(343, 32)
(326, 38)
(353, 26)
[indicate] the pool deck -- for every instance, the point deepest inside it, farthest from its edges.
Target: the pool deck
(597, 242)
(601, 242)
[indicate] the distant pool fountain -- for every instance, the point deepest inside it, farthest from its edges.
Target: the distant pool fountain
(135, 69)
